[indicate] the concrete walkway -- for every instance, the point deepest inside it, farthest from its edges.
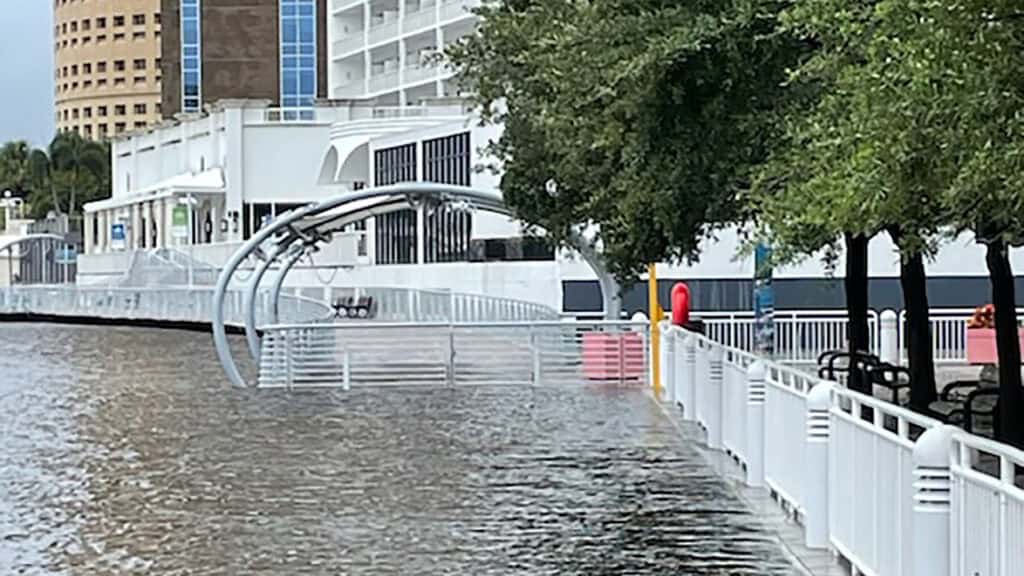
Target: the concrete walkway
(774, 518)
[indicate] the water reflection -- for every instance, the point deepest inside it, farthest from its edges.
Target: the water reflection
(123, 452)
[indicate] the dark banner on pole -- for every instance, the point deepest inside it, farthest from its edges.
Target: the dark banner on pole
(764, 301)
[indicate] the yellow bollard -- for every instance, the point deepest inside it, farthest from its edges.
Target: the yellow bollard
(656, 314)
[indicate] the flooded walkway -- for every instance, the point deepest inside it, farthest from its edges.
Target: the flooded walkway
(122, 451)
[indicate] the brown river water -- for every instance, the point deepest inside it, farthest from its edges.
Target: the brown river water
(124, 451)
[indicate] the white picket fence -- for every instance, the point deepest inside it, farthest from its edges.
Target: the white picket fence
(891, 491)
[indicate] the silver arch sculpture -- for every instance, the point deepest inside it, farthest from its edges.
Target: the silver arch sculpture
(304, 228)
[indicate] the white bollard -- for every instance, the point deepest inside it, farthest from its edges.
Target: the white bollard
(932, 489)
(715, 397)
(819, 402)
(755, 424)
(889, 337)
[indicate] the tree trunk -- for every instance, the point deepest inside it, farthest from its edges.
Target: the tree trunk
(856, 285)
(920, 354)
(1011, 398)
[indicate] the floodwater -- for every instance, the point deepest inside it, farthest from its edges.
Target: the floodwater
(123, 451)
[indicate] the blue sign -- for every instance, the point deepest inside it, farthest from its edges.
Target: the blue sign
(764, 301)
(117, 236)
(67, 255)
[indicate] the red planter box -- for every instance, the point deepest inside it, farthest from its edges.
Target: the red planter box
(613, 356)
(981, 345)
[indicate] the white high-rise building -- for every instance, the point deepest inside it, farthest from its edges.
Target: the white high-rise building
(387, 50)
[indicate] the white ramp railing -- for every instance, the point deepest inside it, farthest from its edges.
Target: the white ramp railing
(893, 492)
(451, 354)
(177, 304)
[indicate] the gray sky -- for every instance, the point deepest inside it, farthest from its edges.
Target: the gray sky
(26, 71)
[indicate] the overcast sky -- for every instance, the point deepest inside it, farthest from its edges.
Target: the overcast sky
(26, 71)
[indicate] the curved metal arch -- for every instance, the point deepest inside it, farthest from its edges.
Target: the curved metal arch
(289, 230)
(275, 291)
(42, 240)
(33, 237)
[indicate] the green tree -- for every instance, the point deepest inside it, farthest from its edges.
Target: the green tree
(861, 160)
(917, 134)
(70, 172)
(648, 114)
(15, 173)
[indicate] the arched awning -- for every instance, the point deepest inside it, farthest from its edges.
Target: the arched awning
(340, 152)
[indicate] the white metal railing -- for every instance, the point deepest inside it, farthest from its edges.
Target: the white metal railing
(801, 336)
(179, 304)
(417, 305)
(893, 492)
(447, 354)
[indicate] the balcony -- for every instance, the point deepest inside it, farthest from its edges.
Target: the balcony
(384, 81)
(384, 27)
(423, 18)
(342, 5)
(418, 72)
(353, 89)
(346, 45)
(454, 9)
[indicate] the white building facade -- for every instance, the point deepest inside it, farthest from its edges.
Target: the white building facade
(388, 50)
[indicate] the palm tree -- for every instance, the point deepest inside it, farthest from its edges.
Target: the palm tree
(15, 172)
(68, 164)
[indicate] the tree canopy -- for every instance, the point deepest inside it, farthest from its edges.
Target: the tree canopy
(648, 114)
(62, 177)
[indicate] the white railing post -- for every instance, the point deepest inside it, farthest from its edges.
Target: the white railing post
(715, 397)
(755, 424)
(816, 480)
(690, 393)
(535, 350)
(668, 364)
(932, 490)
(347, 370)
(680, 367)
(889, 337)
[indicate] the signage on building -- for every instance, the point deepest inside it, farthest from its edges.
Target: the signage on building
(117, 236)
(764, 301)
(179, 222)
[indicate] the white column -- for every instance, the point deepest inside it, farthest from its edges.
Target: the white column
(421, 236)
(815, 472)
(87, 228)
(755, 423)
(889, 337)
(147, 228)
(932, 490)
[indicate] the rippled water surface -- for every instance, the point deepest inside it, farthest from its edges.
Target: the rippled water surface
(122, 451)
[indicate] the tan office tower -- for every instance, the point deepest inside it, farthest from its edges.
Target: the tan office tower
(107, 65)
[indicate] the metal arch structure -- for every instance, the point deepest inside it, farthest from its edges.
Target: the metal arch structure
(302, 230)
(32, 240)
